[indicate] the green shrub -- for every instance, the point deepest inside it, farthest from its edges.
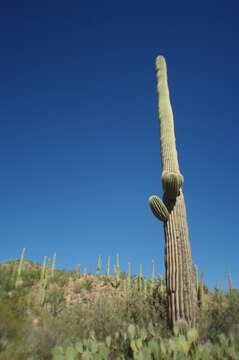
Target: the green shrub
(220, 315)
(117, 324)
(30, 276)
(60, 278)
(85, 284)
(13, 330)
(7, 282)
(56, 299)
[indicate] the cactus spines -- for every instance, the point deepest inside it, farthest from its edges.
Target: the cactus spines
(158, 208)
(180, 281)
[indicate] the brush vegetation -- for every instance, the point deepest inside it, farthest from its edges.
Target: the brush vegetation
(46, 313)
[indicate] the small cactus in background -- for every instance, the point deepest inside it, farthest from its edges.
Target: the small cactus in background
(196, 277)
(99, 263)
(85, 272)
(53, 265)
(229, 279)
(108, 267)
(140, 278)
(216, 287)
(19, 269)
(79, 270)
(160, 284)
(117, 270)
(145, 288)
(44, 281)
(201, 292)
(180, 281)
(129, 278)
(48, 265)
(152, 279)
(199, 286)
(43, 269)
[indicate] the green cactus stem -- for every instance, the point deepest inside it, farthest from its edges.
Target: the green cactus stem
(180, 281)
(158, 208)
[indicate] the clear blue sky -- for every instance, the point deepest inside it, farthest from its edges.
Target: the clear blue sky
(79, 133)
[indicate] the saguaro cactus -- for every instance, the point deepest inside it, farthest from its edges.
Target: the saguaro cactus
(180, 282)
(99, 264)
(108, 267)
(53, 265)
(19, 269)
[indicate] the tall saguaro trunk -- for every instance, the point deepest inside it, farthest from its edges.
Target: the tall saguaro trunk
(180, 281)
